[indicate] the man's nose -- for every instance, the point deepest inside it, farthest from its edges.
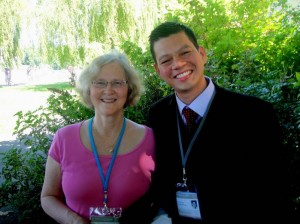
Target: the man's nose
(178, 62)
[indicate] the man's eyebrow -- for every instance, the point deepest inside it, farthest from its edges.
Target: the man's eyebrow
(162, 57)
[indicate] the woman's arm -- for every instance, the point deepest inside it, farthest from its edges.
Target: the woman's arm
(52, 196)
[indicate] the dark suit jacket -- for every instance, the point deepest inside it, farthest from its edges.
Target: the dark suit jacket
(236, 162)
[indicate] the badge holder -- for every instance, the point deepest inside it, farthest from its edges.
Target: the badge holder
(105, 215)
(187, 200)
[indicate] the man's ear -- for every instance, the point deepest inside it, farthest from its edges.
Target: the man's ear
(156, 68)
(202, 51)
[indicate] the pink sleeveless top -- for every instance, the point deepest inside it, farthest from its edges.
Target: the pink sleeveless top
(81, 182)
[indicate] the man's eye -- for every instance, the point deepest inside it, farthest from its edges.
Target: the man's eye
(165, 61)
(185, 52)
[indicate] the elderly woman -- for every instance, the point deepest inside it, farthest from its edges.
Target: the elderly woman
(100, 167)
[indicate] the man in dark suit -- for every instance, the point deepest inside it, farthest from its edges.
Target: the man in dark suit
(231, 162)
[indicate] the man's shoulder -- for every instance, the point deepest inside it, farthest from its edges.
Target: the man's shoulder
(227, 95)
(164, 102)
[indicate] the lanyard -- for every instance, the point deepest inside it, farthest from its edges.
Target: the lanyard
(185, 157)
(103, 178)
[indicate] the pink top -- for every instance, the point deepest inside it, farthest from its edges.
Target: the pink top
(81, 181)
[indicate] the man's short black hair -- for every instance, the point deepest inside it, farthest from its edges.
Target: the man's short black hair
(168, 28)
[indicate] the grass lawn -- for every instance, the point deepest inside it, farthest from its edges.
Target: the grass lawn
(22, 98)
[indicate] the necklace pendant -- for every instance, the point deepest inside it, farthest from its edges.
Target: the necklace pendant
(109, 148)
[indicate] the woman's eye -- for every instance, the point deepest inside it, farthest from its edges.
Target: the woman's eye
(117, 83)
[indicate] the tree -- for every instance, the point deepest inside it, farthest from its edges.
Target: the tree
(10, 32)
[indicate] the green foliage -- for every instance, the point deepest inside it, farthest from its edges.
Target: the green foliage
(252, 47)
(10, 32)
(24, 167)
(23, 182)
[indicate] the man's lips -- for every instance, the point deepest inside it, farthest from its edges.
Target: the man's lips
(183, 75)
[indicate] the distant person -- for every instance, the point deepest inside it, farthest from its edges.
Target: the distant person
(7, 76)
(29, 68)
(29, 73)
(220, 147)
(72, 75)
(101, 168)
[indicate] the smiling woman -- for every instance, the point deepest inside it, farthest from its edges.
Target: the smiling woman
(111, 150)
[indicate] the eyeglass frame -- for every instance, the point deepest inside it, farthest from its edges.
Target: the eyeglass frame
(115, 84)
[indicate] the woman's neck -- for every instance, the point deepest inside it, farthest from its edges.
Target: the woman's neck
(106, 131)
(107, 124)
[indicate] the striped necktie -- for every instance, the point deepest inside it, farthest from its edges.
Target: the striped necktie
(190, 117)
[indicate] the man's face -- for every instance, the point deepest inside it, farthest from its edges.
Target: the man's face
(179, 63)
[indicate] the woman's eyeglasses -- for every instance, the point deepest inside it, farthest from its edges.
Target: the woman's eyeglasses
(102, 84)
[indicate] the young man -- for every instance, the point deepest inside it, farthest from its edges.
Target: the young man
(231, 161)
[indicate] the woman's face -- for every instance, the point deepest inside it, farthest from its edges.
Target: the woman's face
(109, 90)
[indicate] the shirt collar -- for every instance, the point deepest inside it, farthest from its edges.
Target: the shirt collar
(199, 105)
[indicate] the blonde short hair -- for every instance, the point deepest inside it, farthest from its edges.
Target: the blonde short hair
(135, 87)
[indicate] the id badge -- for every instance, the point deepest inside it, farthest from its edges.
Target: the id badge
(188, 203)
(105, 215)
